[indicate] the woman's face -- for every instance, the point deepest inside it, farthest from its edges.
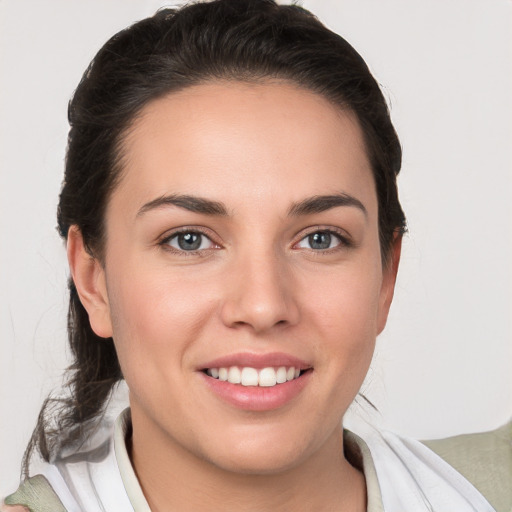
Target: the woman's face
(243, 236)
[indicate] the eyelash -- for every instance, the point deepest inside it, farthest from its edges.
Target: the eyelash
(341, 236)
(165, 242)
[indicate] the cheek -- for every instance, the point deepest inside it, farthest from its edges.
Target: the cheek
(156, 316)
(344, 309)
(347, 303)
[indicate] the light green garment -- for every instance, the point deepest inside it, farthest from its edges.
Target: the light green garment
(483, 459)
(36, 494)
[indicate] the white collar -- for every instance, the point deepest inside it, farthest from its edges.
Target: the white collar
(401, 474)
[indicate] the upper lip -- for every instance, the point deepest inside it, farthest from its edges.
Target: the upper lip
(257, 361)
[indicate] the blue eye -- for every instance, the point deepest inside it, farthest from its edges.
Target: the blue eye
(320, 241)
(189, 241)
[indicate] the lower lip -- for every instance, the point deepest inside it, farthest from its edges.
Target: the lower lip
(256, 398)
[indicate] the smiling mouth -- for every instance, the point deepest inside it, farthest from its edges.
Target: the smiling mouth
(248, 376)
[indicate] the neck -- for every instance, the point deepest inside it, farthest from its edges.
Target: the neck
(174, 479)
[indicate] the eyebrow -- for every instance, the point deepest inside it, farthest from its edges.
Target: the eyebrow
(190, 203)
(319, 204)
(310, 205)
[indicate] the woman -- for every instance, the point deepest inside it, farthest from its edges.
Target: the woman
(233, 233)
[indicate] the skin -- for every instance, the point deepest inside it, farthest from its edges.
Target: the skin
(255, 286)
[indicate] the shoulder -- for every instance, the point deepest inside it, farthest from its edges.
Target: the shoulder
(34, 494)
(485, 459)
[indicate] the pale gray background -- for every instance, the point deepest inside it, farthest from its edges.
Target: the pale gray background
(444, 364)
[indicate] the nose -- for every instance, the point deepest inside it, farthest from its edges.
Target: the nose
(260, 294)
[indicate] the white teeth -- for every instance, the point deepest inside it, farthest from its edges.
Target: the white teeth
(268, 377)
(234, 375)
(247, 376)
(281, 375)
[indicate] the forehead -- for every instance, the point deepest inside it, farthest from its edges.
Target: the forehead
(231, 141)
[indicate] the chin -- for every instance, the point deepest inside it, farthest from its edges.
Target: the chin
(249, 463)
(261, 453)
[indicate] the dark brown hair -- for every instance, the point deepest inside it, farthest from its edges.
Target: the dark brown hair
(234, 40)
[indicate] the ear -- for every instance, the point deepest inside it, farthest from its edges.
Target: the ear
(389, 273)
(89, 277)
